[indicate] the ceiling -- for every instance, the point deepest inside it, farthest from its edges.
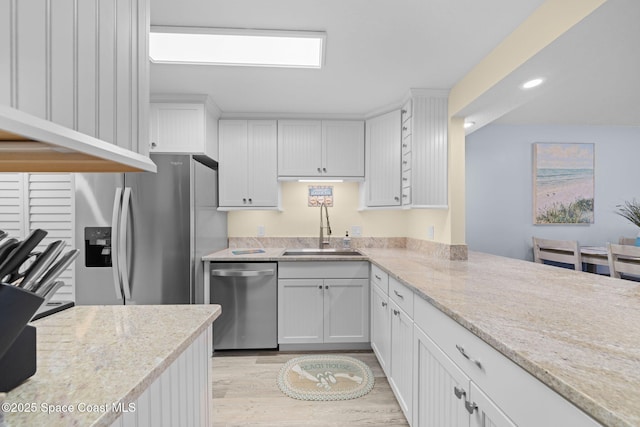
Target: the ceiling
(378, 49)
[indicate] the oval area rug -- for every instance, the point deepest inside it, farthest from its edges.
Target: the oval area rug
(325, 377)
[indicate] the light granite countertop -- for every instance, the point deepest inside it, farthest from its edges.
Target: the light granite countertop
(103, 355)
(576, 332)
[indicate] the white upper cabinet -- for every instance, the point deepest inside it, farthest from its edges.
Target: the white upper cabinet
(343, 148)
(248, 164)
(187, 127)
(383, 161)
(87, 69)
(314, 148)
(426, 139)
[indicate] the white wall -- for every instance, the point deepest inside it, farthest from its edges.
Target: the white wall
(297, 219)
(499, 186)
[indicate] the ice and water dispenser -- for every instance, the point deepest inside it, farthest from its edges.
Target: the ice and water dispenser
(97, 246)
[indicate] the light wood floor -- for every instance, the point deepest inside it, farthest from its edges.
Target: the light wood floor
(245, 393)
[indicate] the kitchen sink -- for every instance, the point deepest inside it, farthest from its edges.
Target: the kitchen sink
(322, 252)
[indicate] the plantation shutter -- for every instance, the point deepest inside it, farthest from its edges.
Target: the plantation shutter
(36, 200)
(12, 213)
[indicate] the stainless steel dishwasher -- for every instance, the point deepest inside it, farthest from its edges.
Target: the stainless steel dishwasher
(248, 294)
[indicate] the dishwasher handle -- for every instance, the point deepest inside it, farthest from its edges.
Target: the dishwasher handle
(242, 273)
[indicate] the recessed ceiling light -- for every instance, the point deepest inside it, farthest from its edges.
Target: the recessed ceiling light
(217, 46)
(532, 83)
(469, 124)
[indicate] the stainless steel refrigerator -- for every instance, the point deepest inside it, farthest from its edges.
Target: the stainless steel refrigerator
(142, 235)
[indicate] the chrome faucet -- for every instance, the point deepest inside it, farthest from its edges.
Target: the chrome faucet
(324, 243)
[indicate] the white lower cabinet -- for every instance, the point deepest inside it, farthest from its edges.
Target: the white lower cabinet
(401, 372)
(180, 396)
(323, 302)
(392, 335)
(381, 327)
(443, 375)
(300, 311)
(444, 395)
(497, 391)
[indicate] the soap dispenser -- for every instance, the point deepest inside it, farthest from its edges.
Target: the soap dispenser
(346, 241)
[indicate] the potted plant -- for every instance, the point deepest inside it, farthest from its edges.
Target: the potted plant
(631, 211)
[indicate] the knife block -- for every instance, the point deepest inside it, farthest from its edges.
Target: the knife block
(17, 307)
(19, 362)
(17, 340)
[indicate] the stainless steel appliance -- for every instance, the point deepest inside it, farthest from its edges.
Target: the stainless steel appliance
(142, 234)
(248, 294)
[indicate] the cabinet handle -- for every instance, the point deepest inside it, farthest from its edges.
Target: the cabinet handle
(319, 286)
(399, 295)
(404, 128)
(459, 392)
(154, 145)
(403, 111)
(471, 406)
(250, 201)
(384, 304)
(404, 162)
(405, 179)
(404, 196)
(326, 287)
(395, 312)
(404, 145)
(319, 170)
(244, 200)
(396, 198)
(324, 170)
(466, 356)
(378, 277)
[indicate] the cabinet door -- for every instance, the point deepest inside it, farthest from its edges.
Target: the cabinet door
(343, 148)
(486, 414)
(299, 148)
(436, 381)
(401, 379)
(430, 152)
(383, 160)
(381, 327)
(262, 163)
(233, 163)
(346, 310)
(300, 313)
(177, 128)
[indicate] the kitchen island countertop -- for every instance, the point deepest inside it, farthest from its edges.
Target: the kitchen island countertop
(576, 332)
(92, 357)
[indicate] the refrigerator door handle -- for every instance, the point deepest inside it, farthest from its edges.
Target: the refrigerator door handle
(124, 222)
(115, 259)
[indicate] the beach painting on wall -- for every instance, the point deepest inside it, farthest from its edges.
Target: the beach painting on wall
(563, 183)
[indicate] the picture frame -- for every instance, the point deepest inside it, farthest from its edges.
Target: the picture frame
(563, 183)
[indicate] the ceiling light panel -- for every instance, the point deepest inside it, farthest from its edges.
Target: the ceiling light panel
(257, 48)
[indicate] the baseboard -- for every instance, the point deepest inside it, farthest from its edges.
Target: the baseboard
(326, 347)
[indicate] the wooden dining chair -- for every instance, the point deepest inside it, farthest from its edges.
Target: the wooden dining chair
(623, 259)
(627, 241)
(564, 251)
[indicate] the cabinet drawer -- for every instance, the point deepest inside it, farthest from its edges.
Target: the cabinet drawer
(406, 145)
(323, 270)
(407, 111)
(380, 278)
(500, 378)
(402, 295)
(406, 161)
(406, 129)
(406, 178)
